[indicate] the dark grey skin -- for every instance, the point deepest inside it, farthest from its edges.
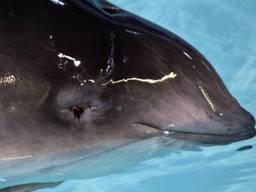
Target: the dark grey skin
(77, 75)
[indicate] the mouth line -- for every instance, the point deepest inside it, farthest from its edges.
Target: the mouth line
(183, 134)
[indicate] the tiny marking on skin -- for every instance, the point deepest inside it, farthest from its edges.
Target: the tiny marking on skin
(43, 98)
(172, 75)
(205, 94)
(48, 48)
(16, 158)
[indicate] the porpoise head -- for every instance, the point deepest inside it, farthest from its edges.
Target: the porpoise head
(75, 74)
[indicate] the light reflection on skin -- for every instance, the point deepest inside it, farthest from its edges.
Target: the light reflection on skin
(58, 2)
(7, 79)
(172, 75)
(16, 158)
(185, 53)
(133, 32)
(76, 62)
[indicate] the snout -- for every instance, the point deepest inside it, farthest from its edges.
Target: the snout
(238, 122)
(228, 127)
(244, 124)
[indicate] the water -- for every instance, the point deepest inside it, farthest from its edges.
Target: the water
(225, 32)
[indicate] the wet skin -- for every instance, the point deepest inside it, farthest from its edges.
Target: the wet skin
(78, 74)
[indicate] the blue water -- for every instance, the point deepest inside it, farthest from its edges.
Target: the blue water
(225, 32)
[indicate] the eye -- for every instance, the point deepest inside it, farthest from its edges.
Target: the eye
(79, 110)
